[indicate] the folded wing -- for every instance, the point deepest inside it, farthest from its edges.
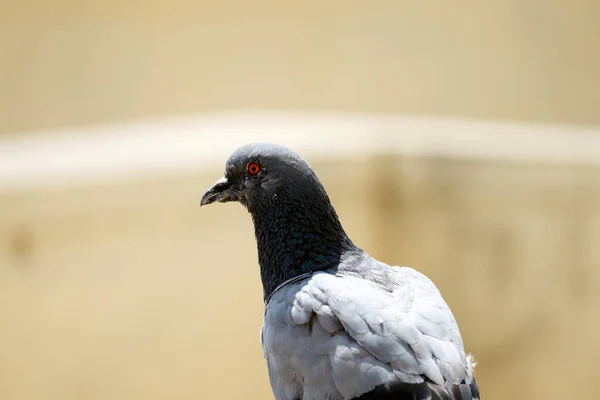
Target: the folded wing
(375, 334)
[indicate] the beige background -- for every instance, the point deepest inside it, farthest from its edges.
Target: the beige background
(89, 61)
(126, 289)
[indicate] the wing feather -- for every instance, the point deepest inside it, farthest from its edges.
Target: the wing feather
(421, 338)
(346, 335)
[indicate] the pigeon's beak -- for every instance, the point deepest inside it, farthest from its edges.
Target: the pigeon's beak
(221, 191)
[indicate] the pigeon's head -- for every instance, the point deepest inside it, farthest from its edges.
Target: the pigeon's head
(296, 227)
(261, 173)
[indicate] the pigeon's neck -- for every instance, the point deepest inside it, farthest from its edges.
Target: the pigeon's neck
(295, 237)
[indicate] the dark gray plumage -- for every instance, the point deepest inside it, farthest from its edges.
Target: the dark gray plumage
(338, 324)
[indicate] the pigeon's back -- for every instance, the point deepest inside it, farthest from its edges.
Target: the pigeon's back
(365, 332)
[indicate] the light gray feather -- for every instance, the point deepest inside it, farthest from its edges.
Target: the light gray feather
(339, 335)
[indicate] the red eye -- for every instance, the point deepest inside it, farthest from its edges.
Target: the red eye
(253, 168)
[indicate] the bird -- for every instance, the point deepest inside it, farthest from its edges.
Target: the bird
(338, 324)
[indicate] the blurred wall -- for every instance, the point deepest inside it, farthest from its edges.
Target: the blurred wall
(65, 63)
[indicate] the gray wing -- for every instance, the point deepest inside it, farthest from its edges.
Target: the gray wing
(368, 334)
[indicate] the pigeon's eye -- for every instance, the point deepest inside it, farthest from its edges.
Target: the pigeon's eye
(253, 168)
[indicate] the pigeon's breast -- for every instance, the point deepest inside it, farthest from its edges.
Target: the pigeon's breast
(297, 349)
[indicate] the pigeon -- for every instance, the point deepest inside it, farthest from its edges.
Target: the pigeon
(338, 324)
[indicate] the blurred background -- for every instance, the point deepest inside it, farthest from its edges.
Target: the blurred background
(461, 139)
